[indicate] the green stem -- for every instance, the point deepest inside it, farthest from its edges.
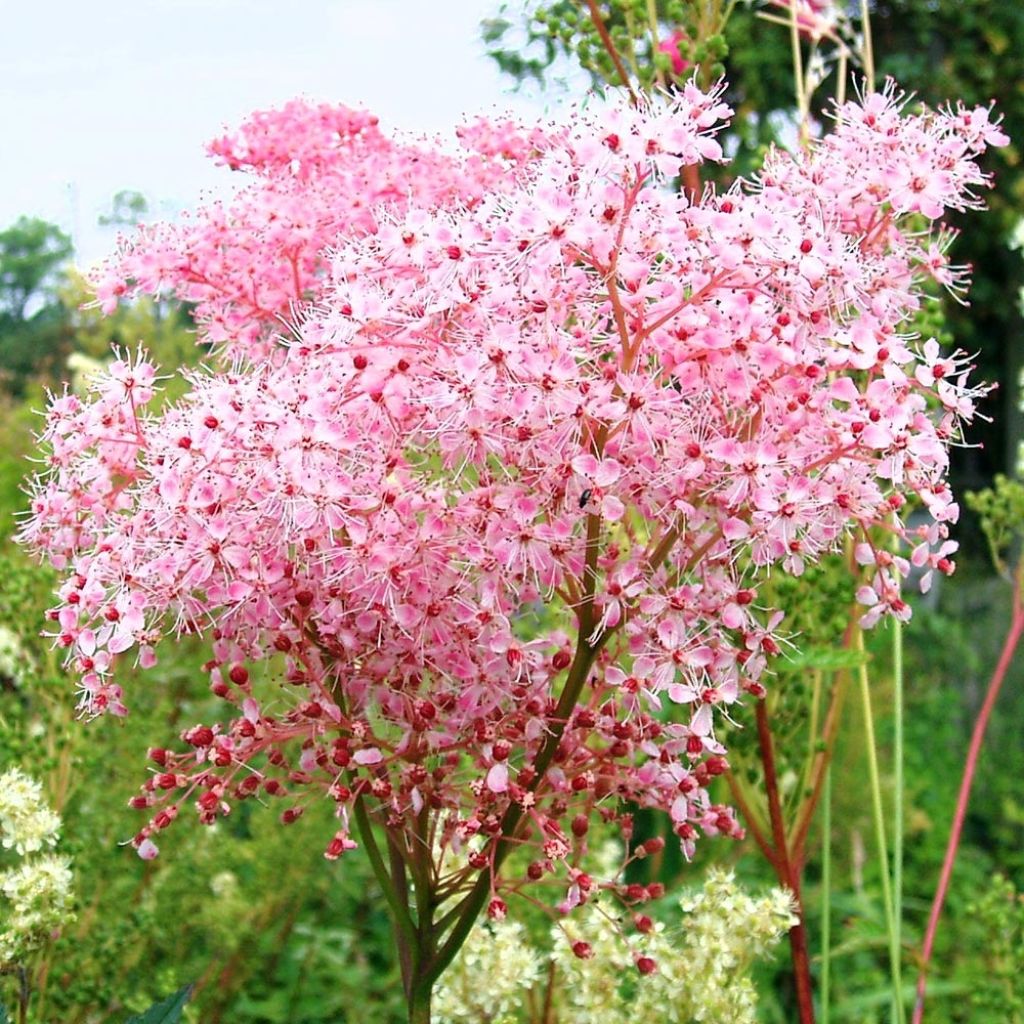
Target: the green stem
(399, 911)
(883, 852)
(463, 917)
(798, 72)
(419, 1005)
(826, 896)
(897, 823)
(465, 914)
(868, 52)
(23, 996)
(652, 25)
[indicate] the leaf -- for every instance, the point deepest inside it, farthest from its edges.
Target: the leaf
(828, 659)
(4, 1019)
(166, 1012)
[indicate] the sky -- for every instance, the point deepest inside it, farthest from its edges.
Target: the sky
(97, 96)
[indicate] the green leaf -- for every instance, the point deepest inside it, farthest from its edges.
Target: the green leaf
(828, 659)
(4, 1019)
(166, 1012)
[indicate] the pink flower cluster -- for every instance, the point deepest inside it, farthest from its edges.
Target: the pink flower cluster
(320, 173)
(550, 380)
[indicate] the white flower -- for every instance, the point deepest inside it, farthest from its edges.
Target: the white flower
(26, 823)
(490, 976)
(701, 972)
(35, 901)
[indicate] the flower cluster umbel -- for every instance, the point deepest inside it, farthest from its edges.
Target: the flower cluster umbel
(531, 373)
(35, 895)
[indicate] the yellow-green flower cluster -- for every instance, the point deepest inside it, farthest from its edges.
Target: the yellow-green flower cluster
(26, 823)
(701, 974)
(489, 978)
(36, 903)
(724, 931)
(35, 895)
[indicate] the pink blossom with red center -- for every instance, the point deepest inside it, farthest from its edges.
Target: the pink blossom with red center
(533, 374)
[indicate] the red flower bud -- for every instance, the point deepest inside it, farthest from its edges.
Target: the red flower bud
(646, 965)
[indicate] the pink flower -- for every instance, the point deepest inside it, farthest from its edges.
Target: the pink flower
(671, 47)
(497, 427)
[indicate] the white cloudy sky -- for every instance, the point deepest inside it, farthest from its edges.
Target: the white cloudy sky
(102, 95)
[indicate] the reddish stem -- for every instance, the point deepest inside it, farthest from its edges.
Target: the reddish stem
(606, 41)
(787, 871)
(747, 812)
(977, 736)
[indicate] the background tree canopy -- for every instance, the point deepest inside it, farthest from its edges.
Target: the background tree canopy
(33, 328)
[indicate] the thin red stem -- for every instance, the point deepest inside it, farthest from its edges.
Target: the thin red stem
(786, 869)
(606, 41)
(747, 813)
(977, 736)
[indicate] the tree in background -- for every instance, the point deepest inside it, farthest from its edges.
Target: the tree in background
(34, 335)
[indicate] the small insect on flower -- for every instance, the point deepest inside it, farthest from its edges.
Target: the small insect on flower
(585, 497)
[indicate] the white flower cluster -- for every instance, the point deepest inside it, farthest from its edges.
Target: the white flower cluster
(701, 973)
(725, 930)
(37, 902)
(26, 823)
(35, 895)
(490, 976)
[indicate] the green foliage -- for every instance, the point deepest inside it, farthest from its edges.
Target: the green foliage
(33, 331)
(32, 252)
(127, 209)
(161, 328)
(1000, 509)
(168, 1011)
(547, 37)
(1000, 911)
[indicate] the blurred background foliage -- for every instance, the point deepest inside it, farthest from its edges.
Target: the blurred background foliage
(271, 932)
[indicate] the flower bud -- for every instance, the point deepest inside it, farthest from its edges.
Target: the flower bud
(646, 965)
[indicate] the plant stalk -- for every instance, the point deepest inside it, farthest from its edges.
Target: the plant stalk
(826, 897)
(970, 765)
(880, 838)
(787, 871)
(897, 814)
